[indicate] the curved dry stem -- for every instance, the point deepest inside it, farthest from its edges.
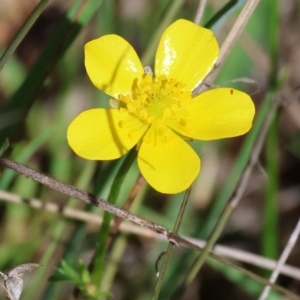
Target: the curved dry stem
(284, 256)
(230, 40)
(101, 203)
(199, 11)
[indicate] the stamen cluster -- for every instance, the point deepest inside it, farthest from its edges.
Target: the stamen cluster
(155, 100)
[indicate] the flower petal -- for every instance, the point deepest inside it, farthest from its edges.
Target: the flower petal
(112, 64)
(169, 166)
(218, 113)
(186, 52)
(96, 134)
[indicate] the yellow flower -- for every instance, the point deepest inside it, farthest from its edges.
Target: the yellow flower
(157, 112)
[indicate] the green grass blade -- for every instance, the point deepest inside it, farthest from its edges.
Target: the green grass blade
(57, 46)
(99, 257)
(22, 32)
(270, 233)
(240, 165)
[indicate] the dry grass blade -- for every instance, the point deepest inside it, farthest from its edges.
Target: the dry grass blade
(188, 242)
(91, 218)
(285, 254)
(230, 40)
(199, 11)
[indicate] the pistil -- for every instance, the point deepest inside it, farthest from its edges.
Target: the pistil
(154, 101)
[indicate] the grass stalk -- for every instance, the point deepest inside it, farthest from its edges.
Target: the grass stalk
(22, 33)
(99, 257)
(168, 253)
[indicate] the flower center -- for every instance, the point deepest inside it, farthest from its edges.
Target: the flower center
(154, 100)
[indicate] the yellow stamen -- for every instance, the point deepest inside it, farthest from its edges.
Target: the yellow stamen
(156, 100)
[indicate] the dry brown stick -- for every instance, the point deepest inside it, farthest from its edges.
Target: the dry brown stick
(229, 42)
(136, 188)
(117, 220)
(199, 11)
(254, 157)
(92, 218)
(283, 257)
(81, 195)
(101, 203)
(237, 29)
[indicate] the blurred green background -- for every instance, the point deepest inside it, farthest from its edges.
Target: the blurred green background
(46, 78)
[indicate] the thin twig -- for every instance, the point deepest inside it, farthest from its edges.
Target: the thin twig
(230, 40)
(91, 218)
(247, 257)
(81, 195)
(254, 158)
(67, 212)
(199, 11)
(246, 272)
(101, 203)
(233, 201)
(237, 29)
(285, 254)
(168, 253)
(117, 221)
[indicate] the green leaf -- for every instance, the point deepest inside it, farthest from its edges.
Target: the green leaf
(66, 273)
(4, 146)
(84, 273)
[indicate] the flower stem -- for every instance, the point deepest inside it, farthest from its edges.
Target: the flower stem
(132, 203)
(168, 253)
(201, 258)
(98, 261)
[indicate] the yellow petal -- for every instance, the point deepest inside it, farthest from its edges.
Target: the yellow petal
(186, 52)
(112, 64)
(218, 113)
(96, 134)
(171, 165)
